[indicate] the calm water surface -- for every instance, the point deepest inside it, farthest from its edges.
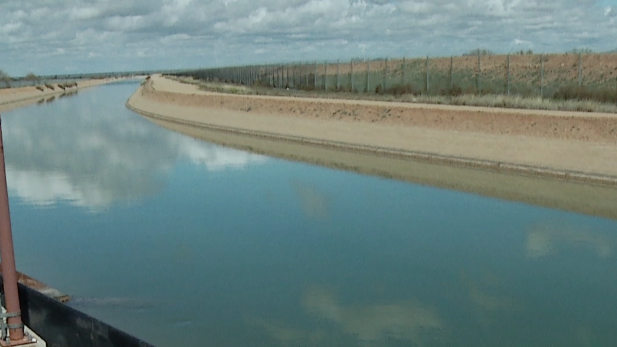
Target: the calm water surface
(183, 242)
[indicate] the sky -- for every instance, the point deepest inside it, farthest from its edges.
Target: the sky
(82, 36)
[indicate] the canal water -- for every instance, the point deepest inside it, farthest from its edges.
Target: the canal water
(182, 242)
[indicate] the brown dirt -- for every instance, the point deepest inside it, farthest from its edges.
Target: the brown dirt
(552, 125)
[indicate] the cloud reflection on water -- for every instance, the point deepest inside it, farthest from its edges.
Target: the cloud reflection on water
(406, 322)
(373, 324)
(545, 240)
(93, 158)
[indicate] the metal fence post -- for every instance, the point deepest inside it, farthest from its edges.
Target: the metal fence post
(351, 75)
(287, 81)
(541, 75)
(325, 77)
(368, 79)
(427, 76)
(403, 73)
(272, 70)
(479, 70)
(385, 75)
(315, 77)
(338, 74)
(580, 70)
(451, 72)
(508, 74)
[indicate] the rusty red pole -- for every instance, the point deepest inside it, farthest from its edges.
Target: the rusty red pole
(9, 271)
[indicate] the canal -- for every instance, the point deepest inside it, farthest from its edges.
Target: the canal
(182, 242)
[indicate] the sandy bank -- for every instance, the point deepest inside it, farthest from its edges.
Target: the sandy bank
(574, 146)
(11, 98)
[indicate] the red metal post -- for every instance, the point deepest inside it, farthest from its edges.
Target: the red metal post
(9, 272)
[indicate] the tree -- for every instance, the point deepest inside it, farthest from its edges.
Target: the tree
(477, 51)
(32, 77)
(4, 77)
(583, 50)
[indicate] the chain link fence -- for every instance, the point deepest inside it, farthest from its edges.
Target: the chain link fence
(562, 76)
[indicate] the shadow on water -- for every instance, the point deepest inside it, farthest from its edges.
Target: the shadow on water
(53, 98)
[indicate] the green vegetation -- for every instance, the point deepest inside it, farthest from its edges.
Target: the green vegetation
(401, 94)
(479, 51)
(31, 77)
(580, 51)
(4, 77)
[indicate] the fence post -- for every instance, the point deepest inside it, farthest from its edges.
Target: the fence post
(272, 70)
(325, 77)
(508, 75)
(385, 76)
(351, 75)
(541, 76)
(427, 76)
(315, 77)
(368, 79)
(479, 70)
(580, 70)
(338, 74)
(403, 73)
(451, 72)
(287, 82)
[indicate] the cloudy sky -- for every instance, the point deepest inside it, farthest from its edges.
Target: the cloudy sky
(69, 36)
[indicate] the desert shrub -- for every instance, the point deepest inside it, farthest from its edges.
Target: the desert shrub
(31, 77)
(4, 77)
(456, 90)
(41, 88)
(402, 90)
(582, 93)
(49, 86)
(378, 89)
(478, 51)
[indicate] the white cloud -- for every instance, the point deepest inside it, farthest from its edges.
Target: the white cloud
(227, 32)
(84, 13)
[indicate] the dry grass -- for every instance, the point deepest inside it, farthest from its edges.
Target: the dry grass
(405, 95)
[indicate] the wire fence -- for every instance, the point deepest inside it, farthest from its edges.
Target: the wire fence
(565, 76)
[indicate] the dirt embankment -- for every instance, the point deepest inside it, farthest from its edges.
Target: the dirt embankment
(11, 98)
(578, 126)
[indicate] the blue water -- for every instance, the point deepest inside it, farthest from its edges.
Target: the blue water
(183, 242)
